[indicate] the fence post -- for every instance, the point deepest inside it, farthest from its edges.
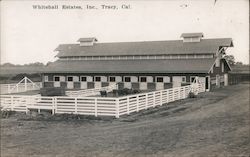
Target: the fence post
(55, 105)
(167, 92)
(75, 105)
(146, 103)
(161, 98)
(25, 84)
(137, 103)
(96, 107)
(26, 104)
(127, 105)
(179, 93)
(117, 108)
(185, 92)
(12, 103)
(153, 99)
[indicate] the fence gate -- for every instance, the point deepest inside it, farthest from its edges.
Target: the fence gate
(22, 86)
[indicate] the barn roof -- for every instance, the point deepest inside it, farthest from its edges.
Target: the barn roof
(132, 66)
(205, 46)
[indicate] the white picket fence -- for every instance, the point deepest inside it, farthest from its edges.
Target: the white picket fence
(22, 87)
(90, 92)
(97, 106)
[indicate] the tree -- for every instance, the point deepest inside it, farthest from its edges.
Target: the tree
(8, 65)
(238, 63)
(230, 59)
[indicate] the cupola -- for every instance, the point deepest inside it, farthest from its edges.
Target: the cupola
(87, 41)
(192, 37)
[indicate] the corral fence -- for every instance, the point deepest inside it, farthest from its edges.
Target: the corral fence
(236, 78)
(98, 106)
(24, 85)
(90, 92)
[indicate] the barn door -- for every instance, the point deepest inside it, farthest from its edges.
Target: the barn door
(207, 83)
(218, 80)
(177, 81)
(225, 79)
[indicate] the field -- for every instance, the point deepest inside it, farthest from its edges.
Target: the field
(214, 124)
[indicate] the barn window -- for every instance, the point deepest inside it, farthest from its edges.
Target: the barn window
(69, 78)
(111, 79)
(174, 56)
(116, 57)
(56, 78)
(129, 57)
(143, 79)
(159, 79)
(136, 57)
(95, 58)
(83, 78)
(109, 57)
(46, 78)
(97, 79)
(183, 79)
(127, 79)
(151, 57)
(192, 78)
(158, 57)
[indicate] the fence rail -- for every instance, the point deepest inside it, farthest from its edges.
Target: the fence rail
(90, 92)
(17, 88)
(98, 106)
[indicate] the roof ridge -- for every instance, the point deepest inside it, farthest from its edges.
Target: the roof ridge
(142, 41)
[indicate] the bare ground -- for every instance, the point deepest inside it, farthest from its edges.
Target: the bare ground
(214, 124)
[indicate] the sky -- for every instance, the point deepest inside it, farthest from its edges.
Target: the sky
(30, 35)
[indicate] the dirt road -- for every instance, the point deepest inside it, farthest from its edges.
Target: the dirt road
(215, 124)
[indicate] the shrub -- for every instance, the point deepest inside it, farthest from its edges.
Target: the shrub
(103, 93)
(52, 91)
(191, 95)
(125, 91)
(6, 113)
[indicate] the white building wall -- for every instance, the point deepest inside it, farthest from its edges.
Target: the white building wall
(70, 85)
(98, 84)
(89, 79)
(127, 85)
(159, 86)
(57, 84)
(143, 86)
(104, 79)
(84, 85)
(150, 79)
(134, 79)
(62, 78)
(166, 79)
(75, 79)
(118, 79)
(177, 81)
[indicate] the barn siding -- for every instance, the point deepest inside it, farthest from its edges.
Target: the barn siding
(136, 86)
(218, 71)
(135, 81)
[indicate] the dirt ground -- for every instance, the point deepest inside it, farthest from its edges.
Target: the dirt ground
(214, 124)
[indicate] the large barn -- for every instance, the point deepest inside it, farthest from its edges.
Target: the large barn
(147, 65)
